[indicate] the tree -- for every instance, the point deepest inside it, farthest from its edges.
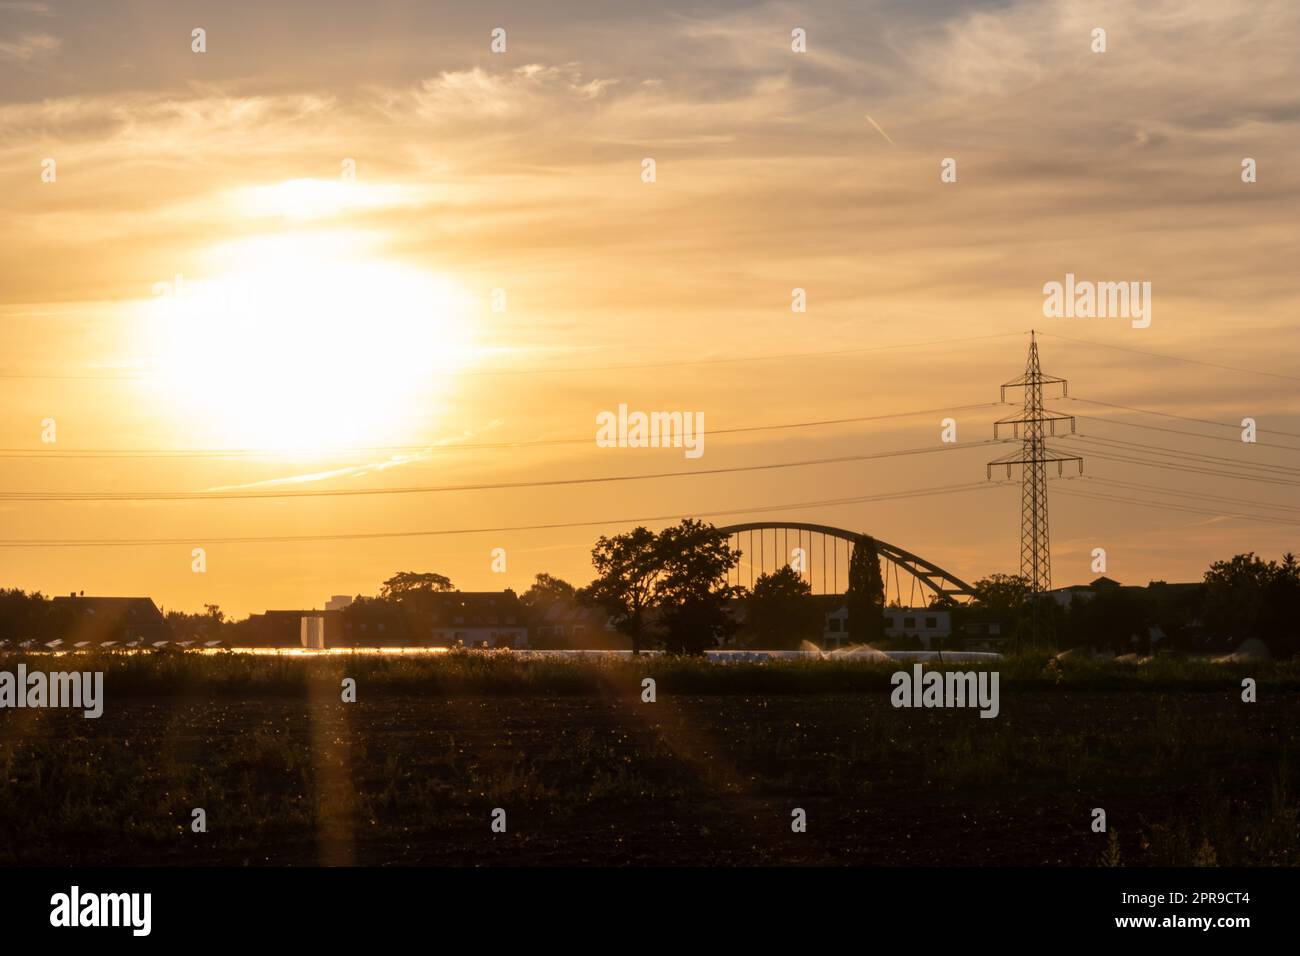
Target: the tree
(1001, 592)
(628, 572)
(782, 612)
(1116, 618)
(1247, 596)
(547, 589)
(1284, 607)
(679, 574)
(1235, 593)
(1176, 613)
(407, 604)
(866, 594)
(194, 627)
(694, 594)
(408, 583)
(1003, 597)
(23, 616)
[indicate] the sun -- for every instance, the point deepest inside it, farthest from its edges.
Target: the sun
(308, 341)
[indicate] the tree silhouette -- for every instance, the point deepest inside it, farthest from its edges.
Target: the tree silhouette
(1247, 596)
(781, 611)
(1001, 592)
(1116, 618)
(1005, 597)
(546, 589)
(679, 574)
(694, 594)
(628, 572)
(866, 594)
(407, 583)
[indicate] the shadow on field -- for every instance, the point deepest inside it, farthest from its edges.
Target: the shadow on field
(588, 773)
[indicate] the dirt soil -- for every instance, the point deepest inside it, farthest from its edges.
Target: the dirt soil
(695, 780)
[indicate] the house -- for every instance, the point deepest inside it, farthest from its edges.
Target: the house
(835, 633)
(96, 620)
(471, 619)
(1171, 611)
(438, 619)
(927, 624)
(371, 622)
(981, 630)
(283, 628)
(572, 625)
(1063, 596)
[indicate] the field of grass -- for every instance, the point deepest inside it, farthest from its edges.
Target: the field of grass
(708, 774)
(175, 674)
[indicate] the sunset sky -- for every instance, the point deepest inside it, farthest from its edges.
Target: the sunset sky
(339, 335)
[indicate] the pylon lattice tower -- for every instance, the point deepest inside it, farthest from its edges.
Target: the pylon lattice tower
(1032, 427)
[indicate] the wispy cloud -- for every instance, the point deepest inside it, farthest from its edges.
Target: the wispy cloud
(27, 6)
(351, 471)
(29, 46)
(881, 131)
(366, 468)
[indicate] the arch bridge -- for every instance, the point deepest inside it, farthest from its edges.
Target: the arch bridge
(766, 546)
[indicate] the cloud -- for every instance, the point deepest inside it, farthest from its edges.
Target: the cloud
(33, 8)
(479, 94)
(29, 47)
(1123, 165)
(762, 152)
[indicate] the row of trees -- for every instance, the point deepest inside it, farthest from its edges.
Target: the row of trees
(1243, 598)
(677, 580)
(668, 589)
(672, 589)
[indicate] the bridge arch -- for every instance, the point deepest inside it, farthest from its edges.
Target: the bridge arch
(766, 547)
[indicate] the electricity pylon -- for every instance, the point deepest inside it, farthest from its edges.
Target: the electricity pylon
(1033, 426)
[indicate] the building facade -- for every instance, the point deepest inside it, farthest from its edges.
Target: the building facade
(927, 624)
(101, 620)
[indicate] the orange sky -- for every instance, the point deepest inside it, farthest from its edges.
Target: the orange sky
(362, 325)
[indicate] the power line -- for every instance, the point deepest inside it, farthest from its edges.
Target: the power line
(1179, 431)
(601, 368)
(1187, 464)
(1271, 519)
(357, 536)
(202, 453)
(489, 486)
(1183, 418)
(1185, 468)
(1174, 358)
(1159, 490)
(1164, 451)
